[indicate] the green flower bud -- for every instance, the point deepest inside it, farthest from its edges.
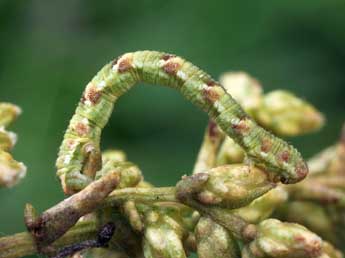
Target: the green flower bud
(8, 113)
(328, 251)
(283, 240)
(320, 163)
(115, 155)
(163, 237)
(11, 171)
(130, 174)
(262, 207)
(7, 139)
(285, 114)
(319, 222)
(228, 186)
(182, 214)
(214, 241)
(246, 90)
(230, 153)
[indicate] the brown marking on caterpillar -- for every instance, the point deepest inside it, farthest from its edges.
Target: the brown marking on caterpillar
(91, 94)
(266, 145)
(166, 57)
(211, 83)
(210, 95)
(301, 170)
(82, 129)
(283, 156)
(171, 67)
(241, 127)
(125, 64)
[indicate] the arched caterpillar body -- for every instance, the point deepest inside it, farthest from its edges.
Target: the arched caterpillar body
(82, 137)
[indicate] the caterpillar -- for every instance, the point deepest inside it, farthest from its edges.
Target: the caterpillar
(82, 138)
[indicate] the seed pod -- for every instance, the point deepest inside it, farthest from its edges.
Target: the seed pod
(246, 90)
(230, 153)
(262, 207)
(285, 114)
(213, 240)
(8, 113)
(162, 237)
(284, 240)
(7, 139)
(11, 171)
(228, 186)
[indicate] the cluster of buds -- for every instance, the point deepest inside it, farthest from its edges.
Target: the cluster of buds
(279, 111)
(232, 206)
(11, 171)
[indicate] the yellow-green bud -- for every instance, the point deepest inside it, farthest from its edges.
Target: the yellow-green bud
(7, 139)
(262, 207)
(285, 114)
(130, 174)
(214, 241)
(114, 155)
(284, 240)
(11, 171)
(8, 113)
(246, 90)
(321, 162)
(319, 222)
(162, 237)
(328, 251)
(228, 186)
(182, 214)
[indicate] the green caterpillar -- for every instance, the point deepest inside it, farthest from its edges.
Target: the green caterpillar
(80, 146)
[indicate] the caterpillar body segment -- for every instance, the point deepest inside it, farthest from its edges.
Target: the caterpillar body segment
(83, 135)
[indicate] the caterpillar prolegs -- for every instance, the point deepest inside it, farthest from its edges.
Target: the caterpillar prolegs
(80, 146)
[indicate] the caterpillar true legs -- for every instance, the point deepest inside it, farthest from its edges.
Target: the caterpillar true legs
(80, 146)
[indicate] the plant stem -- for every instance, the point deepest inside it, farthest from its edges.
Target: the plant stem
(158, 194)
(23, 244)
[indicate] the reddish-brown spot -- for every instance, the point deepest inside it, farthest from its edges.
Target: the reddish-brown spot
(301, 170)
(81, 129)
(124, 65)
(171, 67)
(166, 57)
(283, 156)
(266, 145)
(210, 83)
(312, 247)
(92, 94)
(241, 127)
(210, 95)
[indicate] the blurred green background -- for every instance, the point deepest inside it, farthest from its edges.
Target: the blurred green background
(50, 50)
